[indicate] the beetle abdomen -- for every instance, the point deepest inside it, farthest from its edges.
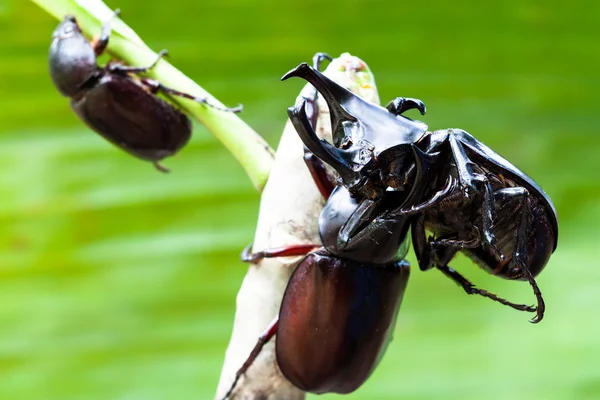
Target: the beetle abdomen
(540, 242)
(128, 116)
(336, 320)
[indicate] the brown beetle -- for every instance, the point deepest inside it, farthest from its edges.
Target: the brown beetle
(112, 101)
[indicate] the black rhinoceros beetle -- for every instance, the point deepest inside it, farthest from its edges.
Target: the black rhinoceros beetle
(474, 200)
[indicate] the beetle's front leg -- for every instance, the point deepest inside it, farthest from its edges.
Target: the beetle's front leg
(101, 42)
(470, 181)
(126, 69)
(401, 104)
(447, 193)
(351, 230)
(425, 254)
(285, 251)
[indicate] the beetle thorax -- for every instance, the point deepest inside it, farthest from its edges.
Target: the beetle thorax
(72, 63)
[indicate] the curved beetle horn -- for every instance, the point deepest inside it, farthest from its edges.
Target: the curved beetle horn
(337, 158)
(334, 94)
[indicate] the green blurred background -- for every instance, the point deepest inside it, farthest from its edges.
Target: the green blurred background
(118, 282)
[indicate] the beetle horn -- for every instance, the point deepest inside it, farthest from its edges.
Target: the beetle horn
(334, 94)
(339, 159)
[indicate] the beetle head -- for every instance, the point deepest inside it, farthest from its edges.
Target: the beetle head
(66, 28)
(366, 137)
(72, 59)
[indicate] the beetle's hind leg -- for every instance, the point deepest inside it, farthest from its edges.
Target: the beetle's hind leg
(262, 340)
(431, 253)
(471, 289)
(521, 243)
(156, 87)
(443, 258)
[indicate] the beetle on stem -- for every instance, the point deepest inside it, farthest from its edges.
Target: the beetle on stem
(340, 306)
(112, 101)
(474, 200)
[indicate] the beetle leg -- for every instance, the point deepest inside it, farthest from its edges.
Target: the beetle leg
(286, 251)
(401, 104)
(159, 87)
(319, 174)
(160, 167)
(469, 288)
(262, 340)
(470, 181)
(473, 183)
(363, 215)
(101, 42)
(520, 252)
(425, 254)
(469, 243)
(487, 218)
(126, 69)
(437, 198)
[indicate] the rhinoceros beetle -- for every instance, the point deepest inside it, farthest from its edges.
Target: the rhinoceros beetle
(474, 201)
(112, 101)
(339, 308)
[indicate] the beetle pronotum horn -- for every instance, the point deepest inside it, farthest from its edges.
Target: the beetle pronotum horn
(321, 148)
(333, 94)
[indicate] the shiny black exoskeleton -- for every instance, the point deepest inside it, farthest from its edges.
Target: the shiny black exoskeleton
(340, 306)
(474, 201)
(112, 101)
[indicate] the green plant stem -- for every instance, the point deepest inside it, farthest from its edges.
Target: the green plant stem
(247, 146)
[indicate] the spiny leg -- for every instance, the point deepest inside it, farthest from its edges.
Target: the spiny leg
(361, 222)
(319, 174)
(469, 243)
(262, 340)
(156, 87)
(101, 42)
(445, 254)
(125, 69)
(436, 199)
(429, 256)
(425, 256)
(469, 288)
(287, 251)
(521, 243)
(475, 185)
